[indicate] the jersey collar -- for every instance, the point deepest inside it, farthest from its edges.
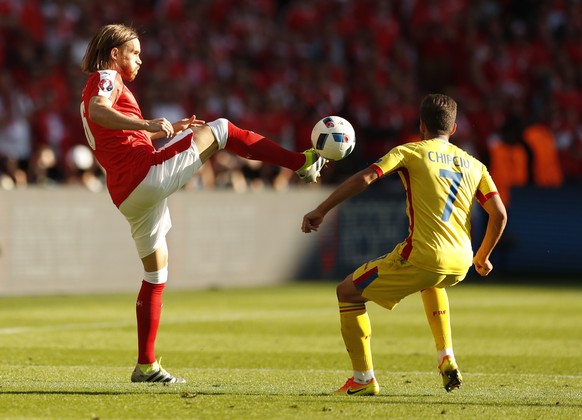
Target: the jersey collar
(442, 138)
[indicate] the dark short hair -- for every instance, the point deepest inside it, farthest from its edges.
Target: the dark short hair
(438, 112)
(99, 48)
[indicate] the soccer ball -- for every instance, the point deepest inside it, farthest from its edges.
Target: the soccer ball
(333, 137)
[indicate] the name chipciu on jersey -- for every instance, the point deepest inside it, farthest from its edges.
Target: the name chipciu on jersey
(448, 159)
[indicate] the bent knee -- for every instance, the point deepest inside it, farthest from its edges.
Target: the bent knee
(205, 142)
(219, 130)
(346, 292)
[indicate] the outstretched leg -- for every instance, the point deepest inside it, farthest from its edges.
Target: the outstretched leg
(251, 145)
(436, 307)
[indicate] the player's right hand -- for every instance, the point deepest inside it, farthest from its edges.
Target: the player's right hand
(160, 124)
(482, 267)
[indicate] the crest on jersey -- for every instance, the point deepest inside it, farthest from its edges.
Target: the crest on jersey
(105, 85)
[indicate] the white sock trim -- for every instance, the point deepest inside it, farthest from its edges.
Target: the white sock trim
(363, 377)
(156, 277)
(441, 354)
(219, 128)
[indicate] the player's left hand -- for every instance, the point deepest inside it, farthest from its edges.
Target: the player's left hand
(195, 122)
(186, 123)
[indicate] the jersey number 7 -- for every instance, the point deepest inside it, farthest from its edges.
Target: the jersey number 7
(456, 178)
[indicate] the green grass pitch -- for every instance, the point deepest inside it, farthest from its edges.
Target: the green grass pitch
(276, 353)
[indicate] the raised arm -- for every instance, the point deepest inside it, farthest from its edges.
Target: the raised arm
(352, 186)
(495, 226)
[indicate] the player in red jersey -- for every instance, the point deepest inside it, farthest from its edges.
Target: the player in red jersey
(140, 178)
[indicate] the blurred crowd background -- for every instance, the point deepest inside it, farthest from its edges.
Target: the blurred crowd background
(276, 67)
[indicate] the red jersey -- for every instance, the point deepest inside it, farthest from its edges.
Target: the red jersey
(126, 155)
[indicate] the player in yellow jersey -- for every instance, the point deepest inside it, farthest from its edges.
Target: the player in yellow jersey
(441, 182)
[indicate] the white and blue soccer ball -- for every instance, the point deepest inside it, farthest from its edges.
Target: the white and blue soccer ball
(333, 137)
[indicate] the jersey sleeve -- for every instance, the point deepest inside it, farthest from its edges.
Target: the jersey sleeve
(109, 85)
(391, 161)
(486, 188)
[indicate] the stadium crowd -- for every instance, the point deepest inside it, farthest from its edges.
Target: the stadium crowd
(514, 66)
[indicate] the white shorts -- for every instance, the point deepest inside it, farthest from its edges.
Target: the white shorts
(146, 208)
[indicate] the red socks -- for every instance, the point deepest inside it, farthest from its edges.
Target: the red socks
(148, 309)
(251, 145)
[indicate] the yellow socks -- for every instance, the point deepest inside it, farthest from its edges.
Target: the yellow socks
(436, 306)
(356, 331)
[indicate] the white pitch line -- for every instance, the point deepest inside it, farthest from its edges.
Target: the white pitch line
(202, 318)
(64, 327)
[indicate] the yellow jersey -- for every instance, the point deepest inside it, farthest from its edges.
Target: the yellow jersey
(441, 181)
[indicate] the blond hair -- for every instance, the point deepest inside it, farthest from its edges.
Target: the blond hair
(99, 49)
